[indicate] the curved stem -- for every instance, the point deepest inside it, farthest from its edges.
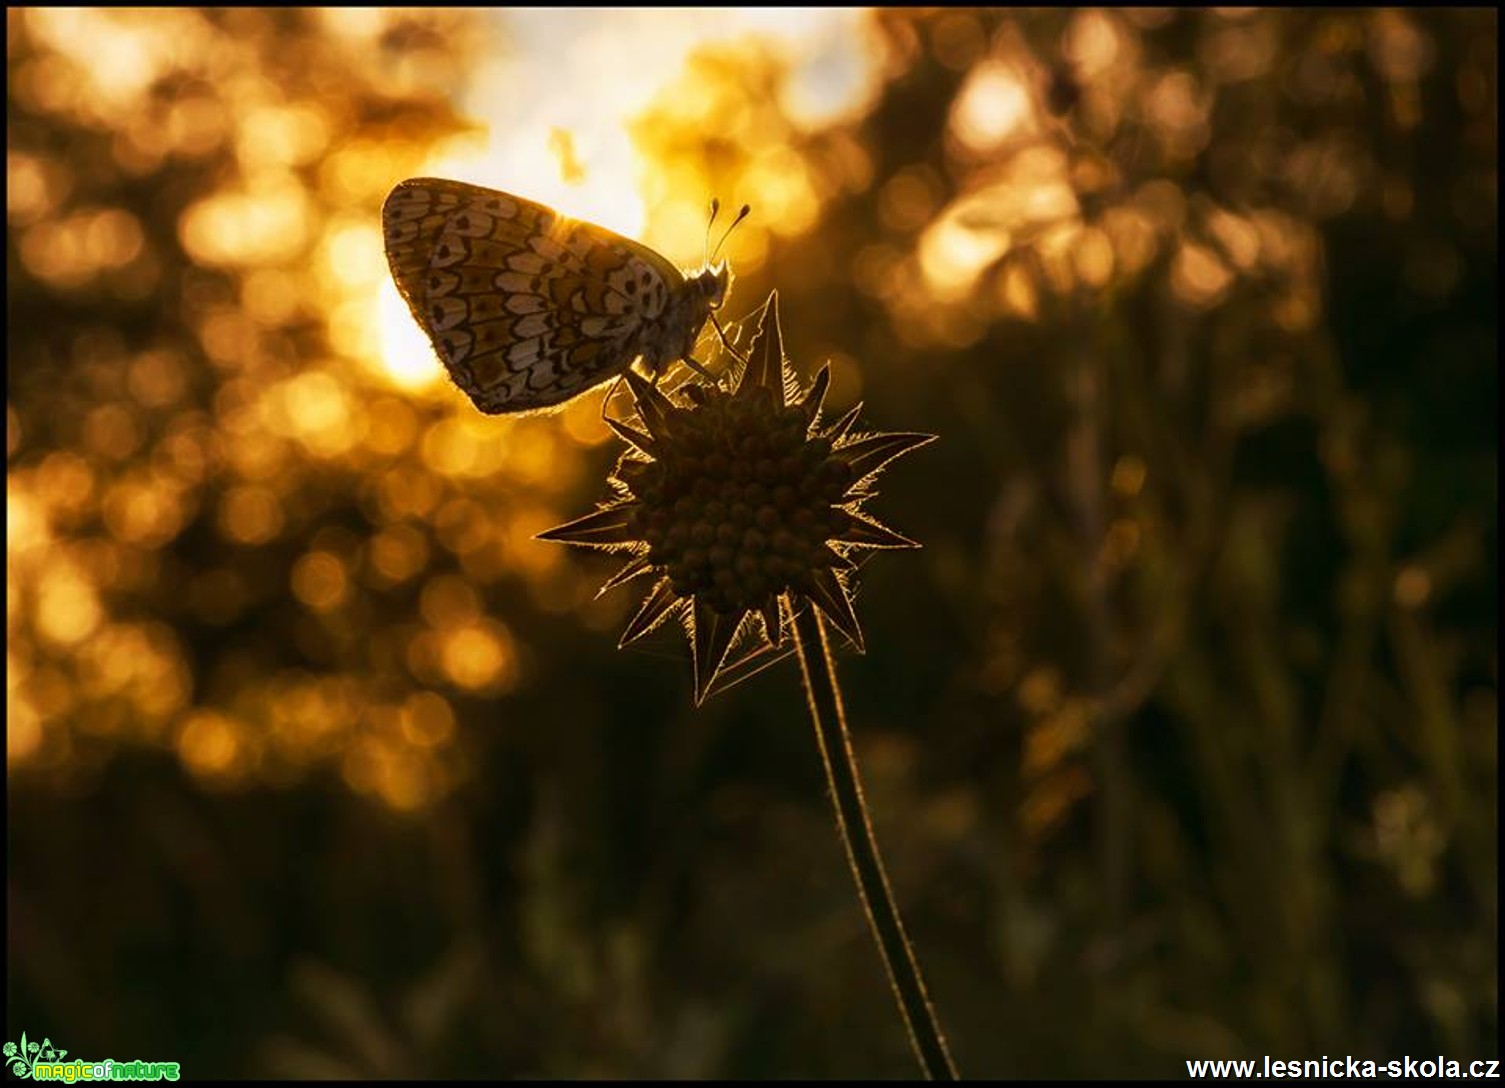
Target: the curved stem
(824, 696)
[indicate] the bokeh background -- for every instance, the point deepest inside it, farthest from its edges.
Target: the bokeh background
(1181, 733)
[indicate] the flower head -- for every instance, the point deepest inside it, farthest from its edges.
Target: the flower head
(746, 505)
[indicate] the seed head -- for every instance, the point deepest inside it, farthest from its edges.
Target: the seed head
(745, 503)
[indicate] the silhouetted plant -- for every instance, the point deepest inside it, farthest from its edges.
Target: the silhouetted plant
(747, 505)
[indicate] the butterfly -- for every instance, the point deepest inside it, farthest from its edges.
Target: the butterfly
(527, 308)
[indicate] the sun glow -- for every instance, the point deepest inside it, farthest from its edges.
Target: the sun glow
(407, 359)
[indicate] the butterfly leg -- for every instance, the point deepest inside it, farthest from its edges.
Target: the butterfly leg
(727, 344)
(610, 393)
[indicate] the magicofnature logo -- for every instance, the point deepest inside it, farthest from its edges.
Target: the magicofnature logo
(23, 1057)
(30, 1060)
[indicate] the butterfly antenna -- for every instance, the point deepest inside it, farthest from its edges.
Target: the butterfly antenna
(709, 223)
(746, 208)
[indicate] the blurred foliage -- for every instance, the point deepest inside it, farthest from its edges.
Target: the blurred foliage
(1181, 732)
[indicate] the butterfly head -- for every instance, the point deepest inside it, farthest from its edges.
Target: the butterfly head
(715, 278)
(715, 283)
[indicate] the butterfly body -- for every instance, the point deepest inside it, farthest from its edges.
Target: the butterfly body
(527, 308)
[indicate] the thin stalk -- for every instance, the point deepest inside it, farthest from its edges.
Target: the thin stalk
(824, 695)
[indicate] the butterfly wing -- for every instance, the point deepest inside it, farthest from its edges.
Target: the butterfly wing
(525, 307)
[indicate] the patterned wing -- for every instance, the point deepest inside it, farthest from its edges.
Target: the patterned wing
(525, 307)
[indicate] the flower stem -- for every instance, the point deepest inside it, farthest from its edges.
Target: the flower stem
(824, 696)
